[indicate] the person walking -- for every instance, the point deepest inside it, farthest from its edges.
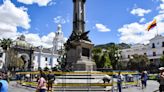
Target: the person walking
(41, 87)
(3, 82)
(51, 79)
(144, 78)
(161, 79)
(119, 82)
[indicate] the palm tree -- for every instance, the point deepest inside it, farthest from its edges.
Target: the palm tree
(5, 43)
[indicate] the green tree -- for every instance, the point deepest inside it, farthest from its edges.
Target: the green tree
(112, 52)
(105, 60)
(6, 43)
(46, 69)
(97, 52)
(14, 62)
(138, 62)
(101, 58)
(162, 60)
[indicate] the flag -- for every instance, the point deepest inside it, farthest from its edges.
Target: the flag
(152, 25)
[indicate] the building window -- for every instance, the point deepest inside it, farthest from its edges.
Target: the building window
(163, 53)
(46, 58)
(154, 53)
(33, 57)
(153, 45)
(128, 56)
(145, 54)
(1, 54)
(162, 44)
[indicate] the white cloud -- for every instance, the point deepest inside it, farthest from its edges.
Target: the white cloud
(137, 33)
(52, 3)
(45, 40)
(12, 17)
(36, 40)
(142, 20)
(140, 11)
(61, 20)
(161, 7)
(39, 2)
(33, 38)
(102, 28)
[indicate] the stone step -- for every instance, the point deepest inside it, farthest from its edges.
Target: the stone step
(78, 81)
(82, 89)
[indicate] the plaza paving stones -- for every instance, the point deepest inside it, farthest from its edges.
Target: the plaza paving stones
(151, 87)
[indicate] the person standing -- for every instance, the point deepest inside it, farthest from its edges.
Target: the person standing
(144, 78)
(3, 82)
(51, 79)
(41, 87)
(161, 79)
(119, 82)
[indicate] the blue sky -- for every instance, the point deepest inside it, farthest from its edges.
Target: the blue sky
(108, 20)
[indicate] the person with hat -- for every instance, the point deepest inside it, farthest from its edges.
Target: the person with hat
(144, 78)
(161, 79)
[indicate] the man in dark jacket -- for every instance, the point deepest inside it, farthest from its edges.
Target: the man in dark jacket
(50, 78)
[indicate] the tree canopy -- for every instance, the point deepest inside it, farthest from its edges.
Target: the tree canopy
(5, 43)
(138, 62)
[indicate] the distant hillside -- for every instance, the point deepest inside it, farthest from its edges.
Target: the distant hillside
(120, 45)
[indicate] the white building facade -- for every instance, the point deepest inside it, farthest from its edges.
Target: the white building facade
(47, 57)
(2, 58)
(44, 58)
(154, 50)
(40, 57)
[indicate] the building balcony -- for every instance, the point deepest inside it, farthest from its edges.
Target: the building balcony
(157, 56)
(154, 56)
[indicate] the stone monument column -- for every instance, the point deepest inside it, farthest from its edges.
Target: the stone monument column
(78, 45)
(78, 16)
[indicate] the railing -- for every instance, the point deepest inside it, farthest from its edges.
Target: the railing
(86, 81)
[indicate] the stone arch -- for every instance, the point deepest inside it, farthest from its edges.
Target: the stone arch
(25, 57)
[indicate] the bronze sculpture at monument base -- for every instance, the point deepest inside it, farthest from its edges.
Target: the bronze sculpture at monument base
(79, 58)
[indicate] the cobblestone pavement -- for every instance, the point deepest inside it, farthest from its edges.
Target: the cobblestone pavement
(151, 87)
(17, 88)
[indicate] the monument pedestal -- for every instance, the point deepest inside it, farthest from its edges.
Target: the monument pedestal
(80, 56)
(84, 65)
